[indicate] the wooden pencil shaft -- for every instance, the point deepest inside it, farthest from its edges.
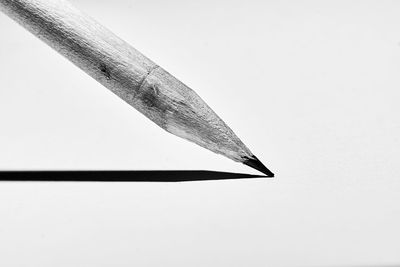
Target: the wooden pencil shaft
(129, 74)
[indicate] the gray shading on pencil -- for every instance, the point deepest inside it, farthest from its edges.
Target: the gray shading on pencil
(130, 75)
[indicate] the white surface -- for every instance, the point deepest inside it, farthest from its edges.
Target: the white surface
(311, 87)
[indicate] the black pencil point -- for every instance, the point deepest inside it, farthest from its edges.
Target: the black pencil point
(255, 163)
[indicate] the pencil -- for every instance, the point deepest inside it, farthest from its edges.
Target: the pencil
(130, 75)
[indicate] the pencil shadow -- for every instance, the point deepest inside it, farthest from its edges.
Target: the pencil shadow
(123, 175)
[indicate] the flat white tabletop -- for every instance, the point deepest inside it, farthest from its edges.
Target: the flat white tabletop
(311, 87)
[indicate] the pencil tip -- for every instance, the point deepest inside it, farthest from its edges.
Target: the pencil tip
(255, 163)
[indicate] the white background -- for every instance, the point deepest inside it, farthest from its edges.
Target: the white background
(312, 88)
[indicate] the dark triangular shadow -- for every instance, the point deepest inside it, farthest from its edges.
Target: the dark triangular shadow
(123, 176)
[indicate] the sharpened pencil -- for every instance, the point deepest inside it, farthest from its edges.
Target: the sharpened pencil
(133, 77)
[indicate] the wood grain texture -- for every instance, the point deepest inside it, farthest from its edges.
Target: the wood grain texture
(126, 72)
